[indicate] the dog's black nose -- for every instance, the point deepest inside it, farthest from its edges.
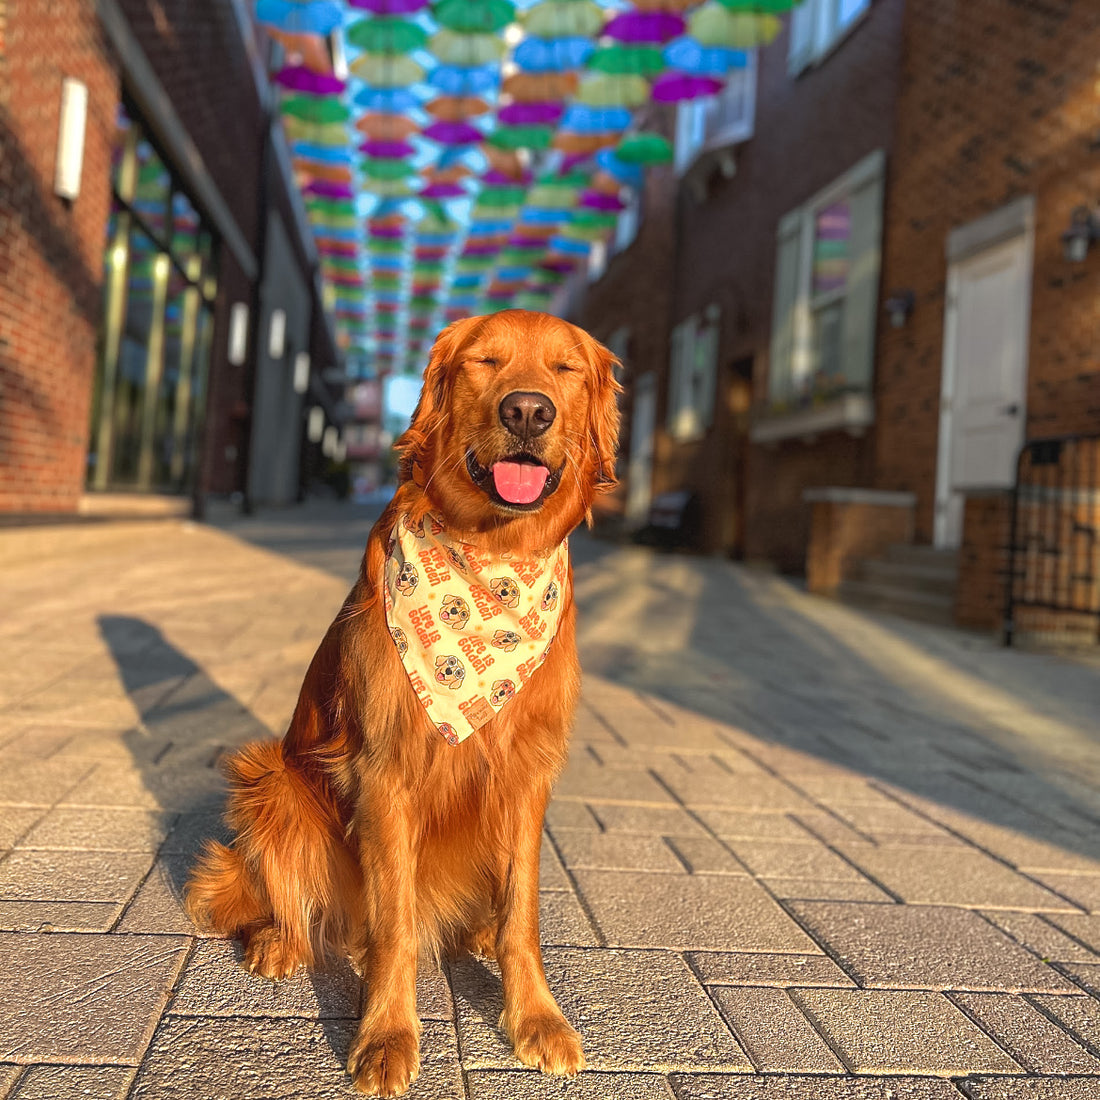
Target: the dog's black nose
(527, 414)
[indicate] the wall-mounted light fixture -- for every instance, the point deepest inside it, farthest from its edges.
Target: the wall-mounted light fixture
(1084, 228)
(70, 138)
(301, 372)
(899, 306)
(238, 333)
(329, 441)
(276, 334)
(315, 425)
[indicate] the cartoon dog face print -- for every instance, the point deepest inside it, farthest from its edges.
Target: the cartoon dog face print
(503, 690)
(416, 529)
(455, 612)
(506, 640)
(407, 579)
(400, 641)
(448, 732)
(550, 597)
(450, 671)
(506, 591)
(456, 559)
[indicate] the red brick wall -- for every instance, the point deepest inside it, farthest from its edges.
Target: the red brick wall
(721, 250)
(51, 251)
(983, 561)
(999, 100)
(845, 533)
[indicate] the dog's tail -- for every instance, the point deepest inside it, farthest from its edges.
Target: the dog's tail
(289, 867)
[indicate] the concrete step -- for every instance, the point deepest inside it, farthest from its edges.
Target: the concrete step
(934, 578)
(899, 599)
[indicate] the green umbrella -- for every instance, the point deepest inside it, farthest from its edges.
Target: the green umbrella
(310, 108)
(394, 36)
(522, 137)
(760, 7)
(645, 148)
(624, 60)
(469, 16)
(385, 169)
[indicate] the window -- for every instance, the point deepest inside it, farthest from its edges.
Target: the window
(826, 290)
(817, 26)
(723, 119)
(693, 376)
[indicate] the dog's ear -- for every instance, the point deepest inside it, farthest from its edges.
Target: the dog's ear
(602, 440)
(431, 408)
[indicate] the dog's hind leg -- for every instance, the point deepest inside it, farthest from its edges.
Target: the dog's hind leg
(282, 887)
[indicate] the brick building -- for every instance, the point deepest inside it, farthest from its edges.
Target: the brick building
(871, 308)
(135, 315)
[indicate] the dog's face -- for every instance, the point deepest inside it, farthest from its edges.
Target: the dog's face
(407, 579)
(506, 591)
(503, 690)
(506, 640)
(516, 428)
(450, 671)
(550, 597)
(455, 612)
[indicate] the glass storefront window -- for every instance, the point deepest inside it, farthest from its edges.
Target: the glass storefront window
(159, 287)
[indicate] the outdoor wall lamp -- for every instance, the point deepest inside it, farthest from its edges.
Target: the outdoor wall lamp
(1084, 228)
(276, 334)
(301, 372)
(70, 138)
(899, 306)
(238, 333)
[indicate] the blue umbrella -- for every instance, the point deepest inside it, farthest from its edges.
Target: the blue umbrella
(465, 80)
(581, 119)
(317, 17)
(395, 100)
(629, 174)
(552, 55)
(688, 56)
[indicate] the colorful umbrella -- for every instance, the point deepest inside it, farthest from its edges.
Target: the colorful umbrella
(601, 90)
(539, 87)
(317, 17)
(645, 26)
(552, 55)
(622, 60)
(456, 108)
(687, 55)
(715, 25)
(564, 19)
(382, 126)
(677, 87)
(472, 50)
(300, 78)
(389, 7)
(309, 50)
(464, 80)
(470, 16)
(644, 148)
(392, 36)
(385, 70)
(314, 109)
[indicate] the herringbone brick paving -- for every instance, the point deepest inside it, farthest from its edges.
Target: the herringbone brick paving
(799, 853)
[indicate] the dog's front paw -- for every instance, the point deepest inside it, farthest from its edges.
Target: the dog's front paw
(547, 1042)
(384, 1064)
(268, 954)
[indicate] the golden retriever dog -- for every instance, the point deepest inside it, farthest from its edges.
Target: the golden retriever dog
(399, 818)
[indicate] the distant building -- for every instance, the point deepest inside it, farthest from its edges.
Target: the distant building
(161, 322)
(870, 301)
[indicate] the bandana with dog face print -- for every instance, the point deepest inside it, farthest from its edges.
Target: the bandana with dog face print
(470, 627)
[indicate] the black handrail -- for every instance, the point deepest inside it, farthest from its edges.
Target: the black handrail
(1054, 533)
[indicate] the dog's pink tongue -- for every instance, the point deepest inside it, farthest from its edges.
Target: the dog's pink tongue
(519, 482)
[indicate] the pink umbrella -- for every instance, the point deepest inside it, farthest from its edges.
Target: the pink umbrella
(674, 87)
(443, 191)
(389, 7)
(601, 200)
(329, 190)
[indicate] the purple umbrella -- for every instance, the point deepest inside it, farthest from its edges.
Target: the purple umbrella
(387, 150)
(329, 190)
(530, 114)
(443, 191)
(387, 231)
(674, 87)
(502, 179)
(645, 26)
(300, 79)
(601, 200)
(389, 7)
(453, 133)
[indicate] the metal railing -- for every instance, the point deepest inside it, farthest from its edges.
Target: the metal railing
(1053, 584)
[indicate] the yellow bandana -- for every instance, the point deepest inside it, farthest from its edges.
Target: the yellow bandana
(470, 627)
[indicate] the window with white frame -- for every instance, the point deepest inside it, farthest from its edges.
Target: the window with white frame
(723, 119)
(826, 290)
(693, 376)
(817, 26)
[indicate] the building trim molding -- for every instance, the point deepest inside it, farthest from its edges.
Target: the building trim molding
(1007, 221)
(838, 494)
(158, 112)
(852, 412)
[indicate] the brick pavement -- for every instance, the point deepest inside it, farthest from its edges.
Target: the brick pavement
(799, 852)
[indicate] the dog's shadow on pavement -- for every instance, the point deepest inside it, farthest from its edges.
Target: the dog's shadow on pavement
(188, 725)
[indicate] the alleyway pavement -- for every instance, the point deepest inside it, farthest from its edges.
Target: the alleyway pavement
(799, 852)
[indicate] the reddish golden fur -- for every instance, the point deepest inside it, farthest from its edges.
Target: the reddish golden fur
(363, 831)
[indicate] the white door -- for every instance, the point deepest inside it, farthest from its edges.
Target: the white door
(982, 412)
(639, 485)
